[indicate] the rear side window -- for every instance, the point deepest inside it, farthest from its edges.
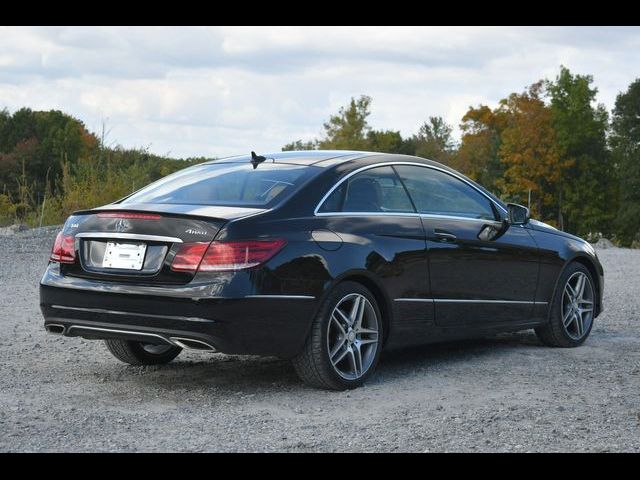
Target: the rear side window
(231, 184)
(374, 190)
(438, 193)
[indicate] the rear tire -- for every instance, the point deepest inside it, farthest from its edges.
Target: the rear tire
(138, 353)
(344, 345)
(572, 311)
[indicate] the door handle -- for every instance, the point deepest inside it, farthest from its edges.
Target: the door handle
(443, 235)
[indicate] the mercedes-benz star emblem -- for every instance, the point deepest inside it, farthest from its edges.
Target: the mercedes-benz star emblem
(121, 225)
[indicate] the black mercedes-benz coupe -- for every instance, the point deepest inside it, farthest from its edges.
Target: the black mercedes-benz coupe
(323, 257)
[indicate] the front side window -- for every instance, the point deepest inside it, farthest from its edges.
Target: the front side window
(232, 184)
(376, 190)
(438, 193)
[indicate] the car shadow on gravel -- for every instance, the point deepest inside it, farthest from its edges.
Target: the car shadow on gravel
(459, 350)
(233, 373)
(255, 375)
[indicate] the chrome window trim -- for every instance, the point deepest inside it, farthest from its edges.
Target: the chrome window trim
(385, 164)
(455, 217)
(367, 214)
(129, 236)
(455, 300)
(403, 214)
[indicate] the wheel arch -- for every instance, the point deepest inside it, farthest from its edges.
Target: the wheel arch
(593, 270)
(590, 265)
(367, 280)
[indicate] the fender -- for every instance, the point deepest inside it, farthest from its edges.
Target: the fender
(596, 273)
(370, 281)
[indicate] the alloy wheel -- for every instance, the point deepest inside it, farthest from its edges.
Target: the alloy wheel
(352, 336)
(577, 305)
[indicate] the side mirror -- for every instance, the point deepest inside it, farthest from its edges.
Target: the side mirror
(518, 215)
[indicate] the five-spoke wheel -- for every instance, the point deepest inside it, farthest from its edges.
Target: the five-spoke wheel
(345, 341)
(573, 309)
(577, 305)
(352, 336)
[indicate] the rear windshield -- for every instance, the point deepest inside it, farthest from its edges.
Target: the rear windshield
(233, 184)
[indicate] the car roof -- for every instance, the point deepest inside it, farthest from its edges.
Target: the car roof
(327, 158)
(319, 158)
(332, 158)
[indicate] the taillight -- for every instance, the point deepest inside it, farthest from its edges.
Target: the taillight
(189, 257)
(130, 215)
(223, 256)
(239, 255)
(64, 250)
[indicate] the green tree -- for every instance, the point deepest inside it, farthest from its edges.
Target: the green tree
(51, 154)
(434, 140)
(34, 145)
(386, 141)
(7, 210)
(349, 128)
(625, 141)
(589, 185)
(300, 145)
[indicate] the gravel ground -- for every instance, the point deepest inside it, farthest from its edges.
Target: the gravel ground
(506, 393)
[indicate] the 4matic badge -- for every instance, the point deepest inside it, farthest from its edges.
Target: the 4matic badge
(192, 231)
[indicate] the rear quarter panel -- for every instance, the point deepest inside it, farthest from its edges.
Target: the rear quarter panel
(387, 254)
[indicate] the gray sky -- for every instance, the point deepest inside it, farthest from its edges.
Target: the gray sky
(215, 91)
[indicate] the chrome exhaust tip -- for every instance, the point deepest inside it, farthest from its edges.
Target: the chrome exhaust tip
(191, 344)
(55, 328)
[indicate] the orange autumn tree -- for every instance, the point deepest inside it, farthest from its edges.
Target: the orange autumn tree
(529, 151)
(477, 156)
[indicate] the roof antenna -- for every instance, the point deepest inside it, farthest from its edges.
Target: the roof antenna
(256, 159)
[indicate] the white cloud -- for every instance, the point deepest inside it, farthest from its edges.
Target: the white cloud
(217, 91)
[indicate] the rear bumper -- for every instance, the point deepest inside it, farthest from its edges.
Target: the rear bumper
(257, 325)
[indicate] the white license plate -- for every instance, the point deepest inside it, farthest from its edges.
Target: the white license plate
(125, 256)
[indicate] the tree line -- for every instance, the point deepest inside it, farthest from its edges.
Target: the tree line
(551, 147)
(51, 166)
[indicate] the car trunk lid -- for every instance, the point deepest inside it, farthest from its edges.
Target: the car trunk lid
(138, 243)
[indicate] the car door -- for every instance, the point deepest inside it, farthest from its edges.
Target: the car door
(372, 209)
(477, 278)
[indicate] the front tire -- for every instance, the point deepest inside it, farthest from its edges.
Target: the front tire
(344, 345)
(572, 310)
(139, 353)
